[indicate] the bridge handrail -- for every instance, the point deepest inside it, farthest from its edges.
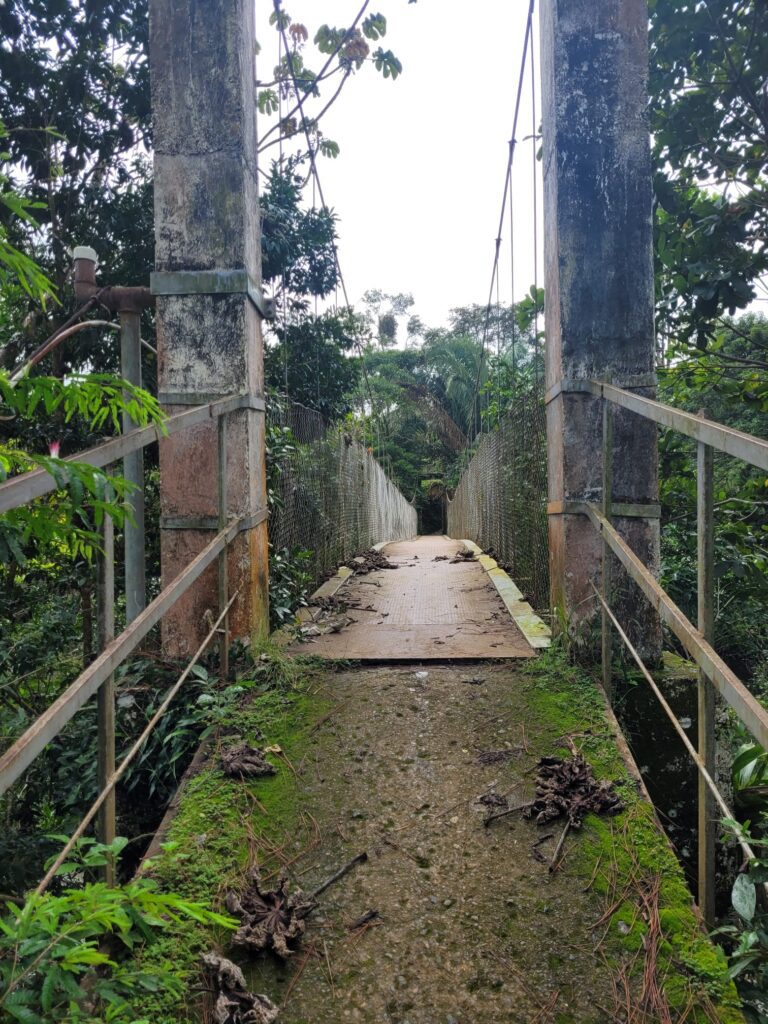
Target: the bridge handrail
(27, 487)
(714, 674)
(47, 726)
(737, 443)
(747, 707)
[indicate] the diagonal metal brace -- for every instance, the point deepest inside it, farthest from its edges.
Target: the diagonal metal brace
(212, 282)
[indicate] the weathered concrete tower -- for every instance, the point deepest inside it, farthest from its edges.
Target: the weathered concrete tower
(599, 286)
(209, 332)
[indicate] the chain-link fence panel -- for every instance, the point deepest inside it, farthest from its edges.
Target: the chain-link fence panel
(328, 495)
(501, 500)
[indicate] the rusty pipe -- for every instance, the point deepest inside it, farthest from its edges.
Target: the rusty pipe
(120, 298)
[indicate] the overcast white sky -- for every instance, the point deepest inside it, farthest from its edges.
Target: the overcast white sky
(418, 183)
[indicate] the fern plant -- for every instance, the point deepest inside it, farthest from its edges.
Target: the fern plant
(68, 519)
(61, 955)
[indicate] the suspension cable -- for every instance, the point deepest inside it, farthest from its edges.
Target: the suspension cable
(505, 196)
(534, 130)
(512, 276)
(316, 175)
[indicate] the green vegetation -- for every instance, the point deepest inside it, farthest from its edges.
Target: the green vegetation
(223, 826)
(75, 133)
(62, 957)
(747, 935)
(734, 394)
(708, 69)
(629, 860)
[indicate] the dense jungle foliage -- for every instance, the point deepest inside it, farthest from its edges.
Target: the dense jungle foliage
(75, 142)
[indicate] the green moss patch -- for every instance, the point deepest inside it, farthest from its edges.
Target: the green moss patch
(223, 826)
(620, 889)
(627, 857)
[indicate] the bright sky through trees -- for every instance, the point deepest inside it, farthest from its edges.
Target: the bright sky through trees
(419, 180)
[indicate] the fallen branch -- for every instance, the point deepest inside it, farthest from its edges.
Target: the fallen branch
(359, 859)
(363, 920)
(311, 951)
(504, 814)
(553, 864)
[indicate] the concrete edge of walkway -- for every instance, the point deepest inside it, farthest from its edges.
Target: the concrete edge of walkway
(332, 586)
(534, 629)
(282, 637)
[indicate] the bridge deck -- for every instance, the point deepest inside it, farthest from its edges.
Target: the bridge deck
(447, 920)
(428, 608)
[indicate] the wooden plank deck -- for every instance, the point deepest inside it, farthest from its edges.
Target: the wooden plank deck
(429, 608)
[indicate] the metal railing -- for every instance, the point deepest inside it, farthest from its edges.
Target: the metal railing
(714, 674)
(98, 677)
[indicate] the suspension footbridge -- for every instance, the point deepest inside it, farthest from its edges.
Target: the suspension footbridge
(393, 772)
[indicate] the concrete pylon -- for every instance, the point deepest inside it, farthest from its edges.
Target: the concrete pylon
(599, 290)
(209, 344)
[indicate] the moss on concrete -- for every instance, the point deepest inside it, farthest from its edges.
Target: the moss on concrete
(619, 855)
(222, 824)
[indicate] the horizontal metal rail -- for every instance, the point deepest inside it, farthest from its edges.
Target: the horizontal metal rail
(711, 784)
(117, 774)
(22, 753)
(753, 450)
(750, 711)
(27, 486)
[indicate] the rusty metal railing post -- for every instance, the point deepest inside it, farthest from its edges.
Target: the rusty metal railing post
(133, 471)
(105, 826)
(223, 573)
(606, 635)
(706, 693)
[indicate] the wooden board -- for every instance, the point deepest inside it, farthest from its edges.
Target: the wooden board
(423, 610)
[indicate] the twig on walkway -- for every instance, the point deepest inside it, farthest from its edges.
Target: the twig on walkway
(282, 754)
(365, 920)
(395, 846)
(505, 814)
(359, 859)
(330, 972)
(555, 862)
(321, 721)
(591, 881)
(547, 1008)
(544, 838)
(512, 967)
(355, 936)
(311, 951)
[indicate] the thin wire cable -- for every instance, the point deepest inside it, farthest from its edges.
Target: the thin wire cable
(119, 771)
(694, 754)
(498, 354)
(534, 130)
(323, 203)
(512, 275)
(507, 178)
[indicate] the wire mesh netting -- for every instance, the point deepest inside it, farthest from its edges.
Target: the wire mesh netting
(501, 500)
(328, 495)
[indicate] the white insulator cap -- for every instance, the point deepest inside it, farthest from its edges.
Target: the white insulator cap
(85, 252)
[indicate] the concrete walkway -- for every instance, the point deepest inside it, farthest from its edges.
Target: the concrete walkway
(433, 606)
(393, 770)
(447, 920)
